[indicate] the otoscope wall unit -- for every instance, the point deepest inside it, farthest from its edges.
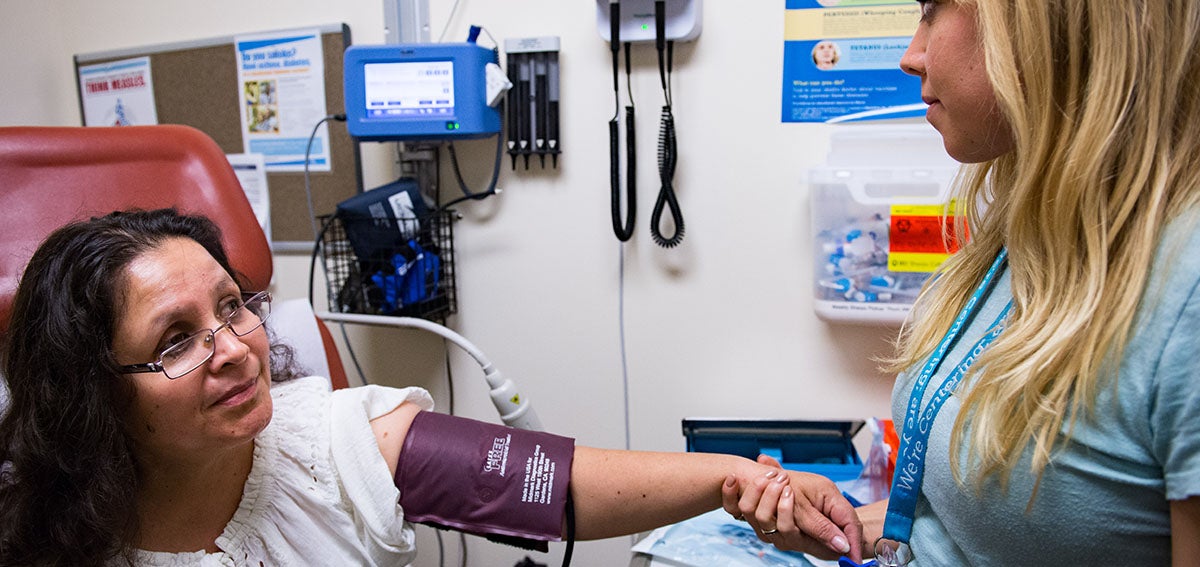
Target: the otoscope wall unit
(878, 215)
(637, 23)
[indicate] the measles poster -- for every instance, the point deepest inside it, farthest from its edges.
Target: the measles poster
(841, 60)
(281, 86)
(118, 93)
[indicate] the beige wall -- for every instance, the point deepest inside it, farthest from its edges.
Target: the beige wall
(722, 325)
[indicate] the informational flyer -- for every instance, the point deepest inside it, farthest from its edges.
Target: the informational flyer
(281, 82)
(841, 60)
(251, 172)
(118, 93)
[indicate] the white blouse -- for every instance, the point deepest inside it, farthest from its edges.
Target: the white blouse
(319, 491)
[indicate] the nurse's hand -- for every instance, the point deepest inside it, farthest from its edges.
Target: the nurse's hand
(805, 512)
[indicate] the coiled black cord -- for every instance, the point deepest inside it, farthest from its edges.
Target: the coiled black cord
(623, 231)
(667, 159)
(667, 153)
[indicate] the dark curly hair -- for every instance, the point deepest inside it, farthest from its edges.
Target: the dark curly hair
(69, 482)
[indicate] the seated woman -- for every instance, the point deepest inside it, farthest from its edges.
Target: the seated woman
(140, 432)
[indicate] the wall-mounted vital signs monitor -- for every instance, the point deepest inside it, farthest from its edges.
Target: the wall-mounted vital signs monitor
(434, 91)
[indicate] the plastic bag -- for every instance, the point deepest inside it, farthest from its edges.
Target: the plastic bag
(715, 538)
(875, 481)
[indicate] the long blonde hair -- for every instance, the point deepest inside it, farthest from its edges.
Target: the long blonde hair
(1103, 98)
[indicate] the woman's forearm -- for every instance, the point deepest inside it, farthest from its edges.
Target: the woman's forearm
(624, 492)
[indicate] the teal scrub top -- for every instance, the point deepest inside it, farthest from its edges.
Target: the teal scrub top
(1104, 498)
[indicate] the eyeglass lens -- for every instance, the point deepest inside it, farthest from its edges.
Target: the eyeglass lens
(188, 354)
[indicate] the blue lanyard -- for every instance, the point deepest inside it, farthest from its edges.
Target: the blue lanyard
(914, 442)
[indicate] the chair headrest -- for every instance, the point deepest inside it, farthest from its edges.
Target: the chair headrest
(50, 176)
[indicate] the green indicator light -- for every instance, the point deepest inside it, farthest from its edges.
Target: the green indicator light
(452, 125)
(645, 27)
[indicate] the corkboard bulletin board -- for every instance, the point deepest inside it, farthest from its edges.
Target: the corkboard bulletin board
(195, 83)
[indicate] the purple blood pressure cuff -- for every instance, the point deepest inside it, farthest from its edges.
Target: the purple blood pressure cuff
(507, 484)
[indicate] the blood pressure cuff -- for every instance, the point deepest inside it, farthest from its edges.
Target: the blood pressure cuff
(507, 484)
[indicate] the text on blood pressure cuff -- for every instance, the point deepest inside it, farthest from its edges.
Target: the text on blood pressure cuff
(485, 479)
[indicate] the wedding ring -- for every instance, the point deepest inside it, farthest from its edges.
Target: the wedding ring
(769, 532)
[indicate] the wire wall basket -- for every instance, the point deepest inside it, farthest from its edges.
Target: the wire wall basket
(396, 267)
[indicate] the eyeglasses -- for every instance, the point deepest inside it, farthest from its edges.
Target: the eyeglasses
(192, 351)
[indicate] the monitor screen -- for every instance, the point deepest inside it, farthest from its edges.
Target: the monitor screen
(435, 91)
(417, 89)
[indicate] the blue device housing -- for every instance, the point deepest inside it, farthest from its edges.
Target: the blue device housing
(427, 112)
(822, 447)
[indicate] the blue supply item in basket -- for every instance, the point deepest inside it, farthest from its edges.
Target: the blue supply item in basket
(414, 278)
(397, 262)
(380, 221)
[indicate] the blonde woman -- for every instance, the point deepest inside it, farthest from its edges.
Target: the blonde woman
(1049, 384)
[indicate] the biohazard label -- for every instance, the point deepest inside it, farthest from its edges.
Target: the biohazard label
(920, 238)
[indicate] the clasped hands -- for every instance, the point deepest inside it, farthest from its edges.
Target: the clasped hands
(795, 511)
